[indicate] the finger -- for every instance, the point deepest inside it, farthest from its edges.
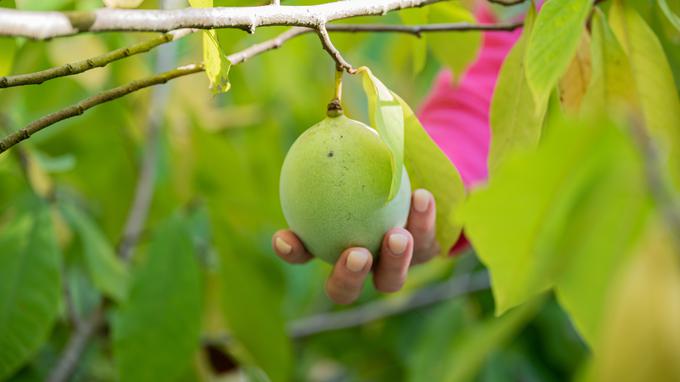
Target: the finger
(395, 258)
(345, 283)
(288, 246)
(421, 224)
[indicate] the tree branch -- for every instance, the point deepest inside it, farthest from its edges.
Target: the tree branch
(91, 63)
(44, 25)
(340, 62)
(506, 2)
(417, 30)
(379, 309)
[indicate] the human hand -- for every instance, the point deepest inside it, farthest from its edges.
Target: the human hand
(401, 248)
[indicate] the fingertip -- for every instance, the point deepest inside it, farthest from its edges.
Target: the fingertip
(422, 200)
(288, 247)
(358, 260)
(349, 273)
(397, 240)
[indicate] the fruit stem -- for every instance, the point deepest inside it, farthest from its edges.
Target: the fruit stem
(334, 108)
(338, 85)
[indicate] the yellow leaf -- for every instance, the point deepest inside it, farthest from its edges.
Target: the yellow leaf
(574, 82)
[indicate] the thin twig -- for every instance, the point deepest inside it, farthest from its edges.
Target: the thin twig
(91, 63)
(506, 2)
(44, 25)
(417, 30)
(658, 185)
(380, 309)
(340, 62)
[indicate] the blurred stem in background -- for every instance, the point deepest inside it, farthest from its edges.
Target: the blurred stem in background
(166, 58)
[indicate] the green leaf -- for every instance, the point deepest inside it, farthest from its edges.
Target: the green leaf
(469, 355)
(216, 63)
(611, 78)
(156, 331)
(252, 307)
(516, 120)
(387, 117)
(455, 50)
(672, 17)
(30, 284)
(8, 48)
(552, 44)
(653, 80)
(598, 239)
(416, 16)
(429, 168)
(514, 222)
(106, 271)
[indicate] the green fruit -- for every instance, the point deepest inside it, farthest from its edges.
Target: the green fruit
(334, 186)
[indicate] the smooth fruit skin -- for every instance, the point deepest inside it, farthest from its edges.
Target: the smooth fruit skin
(334, 186)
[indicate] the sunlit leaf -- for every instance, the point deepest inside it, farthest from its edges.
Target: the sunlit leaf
(387, 117)
(553, 42)
(157, 329)
(514, 222)
(105, 269)
(516, 120)
(653, 80)
(611, 82)
(216, 63)
(429, 168)
(30, 284)
(641, 337)
(574, 83)
(123, 3)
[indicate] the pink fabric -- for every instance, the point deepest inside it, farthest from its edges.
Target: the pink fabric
(457, 115)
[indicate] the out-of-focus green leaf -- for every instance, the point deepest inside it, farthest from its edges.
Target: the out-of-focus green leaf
(30, 284)
(417, 16)
(42, 5)
(672, 17)
(216, 63)
(455, 50)
(552, 44)
(468, 356)
(516, 120)
(429, 168)
(653, 80)
(8, 47)
(514, 222)
(123, 3)
(50, 164)
(252, 307)
(598, 239)
(387, 117)
(105, 269)
(157, 329)
(611, 79)
(641, 339)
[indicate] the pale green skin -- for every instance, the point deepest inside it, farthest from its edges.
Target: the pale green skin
(334, 186)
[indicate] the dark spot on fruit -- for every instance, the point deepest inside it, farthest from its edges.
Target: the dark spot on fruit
(330, 154)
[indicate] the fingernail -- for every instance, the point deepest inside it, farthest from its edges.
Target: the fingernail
(397, 243)
(282, 246)
(356, 261)
(421, 200)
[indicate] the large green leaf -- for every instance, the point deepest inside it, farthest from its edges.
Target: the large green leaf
(672, 17)
(105, 269)
(454, 50)
(387, 117)
(252, 307)
(598, 239)
(516, 120)
(157, 329)
(515, 221)
(429, 168)
(30, 284)
(552, 44)
(653, 81)
(416, 16)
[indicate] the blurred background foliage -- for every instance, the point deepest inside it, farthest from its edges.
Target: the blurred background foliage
(205, 298)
